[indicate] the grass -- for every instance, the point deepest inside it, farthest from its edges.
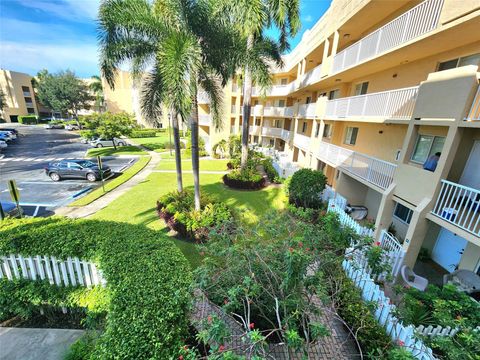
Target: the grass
(138, 205)
(165, 154)
(114, 183)
(205, 165)
(153, 143)
(109, 151)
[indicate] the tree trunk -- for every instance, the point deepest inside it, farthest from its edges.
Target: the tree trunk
(114, 145)
(170, 133)
(195, 152)
(247, 107)
(178, 150)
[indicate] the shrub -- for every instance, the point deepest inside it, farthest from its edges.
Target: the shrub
(244, 179)
(177, 210)
(270, 170)
(148, 281)
(201, 147)
(305, 187)
(143, 133)
(28, 119)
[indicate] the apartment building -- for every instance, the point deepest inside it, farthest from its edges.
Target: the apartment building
(372, 91)
(19, 95)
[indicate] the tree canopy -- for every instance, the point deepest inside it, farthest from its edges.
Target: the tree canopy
(107, 125)
(63, 92)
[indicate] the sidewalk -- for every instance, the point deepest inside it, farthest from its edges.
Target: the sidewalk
(105, 200)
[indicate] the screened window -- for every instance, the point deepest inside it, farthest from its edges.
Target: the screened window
(281, 103)
(403, 213)
(31, 110)
(284, 81)
(351, 135)
(327, 131)
(334, 94)
(458, 62)
(426, 146)
(361, 89)
(257, 122)
(25, 89)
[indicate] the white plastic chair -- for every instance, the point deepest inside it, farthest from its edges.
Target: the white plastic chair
(418, 282)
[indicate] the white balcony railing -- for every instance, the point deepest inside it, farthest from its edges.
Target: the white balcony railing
(275, 90)
(392, 104)
(257, 110)
(289, 111)
(411, 24)
(203, 98)
(204, 119)
(254, 130)
(459, 205)
(312, 76)
(474, 113)
(301, 141)
(307, 111)
(369, 168)
(276, 132)
(233, 109)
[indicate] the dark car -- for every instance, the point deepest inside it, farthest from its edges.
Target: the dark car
(11, 209)
(76, 169)
(15, 131)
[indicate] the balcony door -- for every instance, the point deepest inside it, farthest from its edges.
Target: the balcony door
(448, 250)
(471, 174)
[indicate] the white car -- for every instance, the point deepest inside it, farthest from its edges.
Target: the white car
(71, 127)
(104, 142)
(3, 144)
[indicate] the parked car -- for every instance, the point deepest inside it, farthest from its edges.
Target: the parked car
(3, 144)
(11, 209)
(53, 126)
(76, 169)
(11, 133)
(5, 136)
(15, 131)
(71, 127)
(100, 142)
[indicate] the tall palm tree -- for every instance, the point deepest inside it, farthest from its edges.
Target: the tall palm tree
(97, 88)
(252, 17)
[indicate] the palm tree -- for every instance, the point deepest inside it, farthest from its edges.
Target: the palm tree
(252, 17)
(96, 87)
(3, 101)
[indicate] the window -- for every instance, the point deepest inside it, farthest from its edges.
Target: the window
(255, 103)
(257, 122)
(403, 213)
(304, 127)
(327, 131)
(31, 110)
(255, 139)
(25, 89)
(426, 146)
(334, 94)
(317, 129)
(351, 135)
(278, 124)
(75, 166)
(281, 103)
(272, 142)
(361, 89)
(458, 62)
(284, 81)
(28, 99)
(309, 100)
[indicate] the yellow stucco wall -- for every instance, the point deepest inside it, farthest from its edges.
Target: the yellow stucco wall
(11, 83)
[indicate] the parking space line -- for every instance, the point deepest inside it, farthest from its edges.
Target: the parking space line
(38, 159)
(17, 159)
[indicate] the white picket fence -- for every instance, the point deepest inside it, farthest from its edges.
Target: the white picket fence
(58, 272)
(432, 331)
(346, 220)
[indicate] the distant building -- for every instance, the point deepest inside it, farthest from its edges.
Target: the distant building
(19, 95)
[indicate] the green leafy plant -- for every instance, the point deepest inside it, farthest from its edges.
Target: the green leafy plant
(143, 133)
(305, 187)
(28, 119)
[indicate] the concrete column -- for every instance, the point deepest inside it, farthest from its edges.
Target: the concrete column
(325, 50)
(416, 232)
(336, 37)
(385, 211)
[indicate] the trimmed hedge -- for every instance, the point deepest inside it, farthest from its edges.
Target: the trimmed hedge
(148, 281)
(305, 187)
(28, 119)
(237, 181)
(143, 133)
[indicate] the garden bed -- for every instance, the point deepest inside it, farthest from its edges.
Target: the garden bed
(244, 184)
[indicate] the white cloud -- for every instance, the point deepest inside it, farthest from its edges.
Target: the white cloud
(307, 19)
(76, 10)
(32, 57)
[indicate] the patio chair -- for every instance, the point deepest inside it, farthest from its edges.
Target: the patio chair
(412, 279)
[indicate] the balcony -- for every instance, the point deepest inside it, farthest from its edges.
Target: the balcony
(307, 111)
(368, 168)
(204, 119)
(474, 113)
(311, 77)
(301, 141)
(414, 23)
(257, 110)
(233, 110)
(460, 206)
(275, 90)
(203, 98)
(276, 132)
(393, 104)
(254, 130)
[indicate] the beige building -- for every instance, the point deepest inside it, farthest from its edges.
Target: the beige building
(19, 95)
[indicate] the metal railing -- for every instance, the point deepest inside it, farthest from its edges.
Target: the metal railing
(275, 90)
(375, 171)
(254, 130)
(459, 205)
(417, 21)
(233, 109)
(276, 132)
(312, 76)
(301, 141)
(391, 104)
(474, 113)
(307, 110)
(204, 119)
(257, 110)
(203, 98)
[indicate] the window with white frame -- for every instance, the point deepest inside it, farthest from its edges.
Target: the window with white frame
(426, 146)
(304, 127)
(458, 62)
(361, 88)
(403, 213)
(327, 131)
(351, 135)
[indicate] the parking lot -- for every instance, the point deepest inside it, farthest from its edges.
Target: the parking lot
(25, 160)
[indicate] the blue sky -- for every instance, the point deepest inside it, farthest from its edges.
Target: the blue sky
(61, 34)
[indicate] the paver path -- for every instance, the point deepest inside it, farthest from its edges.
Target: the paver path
(34, 344)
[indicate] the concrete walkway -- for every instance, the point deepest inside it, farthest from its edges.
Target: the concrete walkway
(34, 344)
(105, 200)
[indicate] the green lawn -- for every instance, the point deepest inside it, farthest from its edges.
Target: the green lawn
(109, 151)
(138, 205)
(165, 154)
(153, 143)
(112, 184)
(205, 165)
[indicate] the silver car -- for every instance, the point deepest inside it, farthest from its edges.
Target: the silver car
(100, 142)
(3, 144)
